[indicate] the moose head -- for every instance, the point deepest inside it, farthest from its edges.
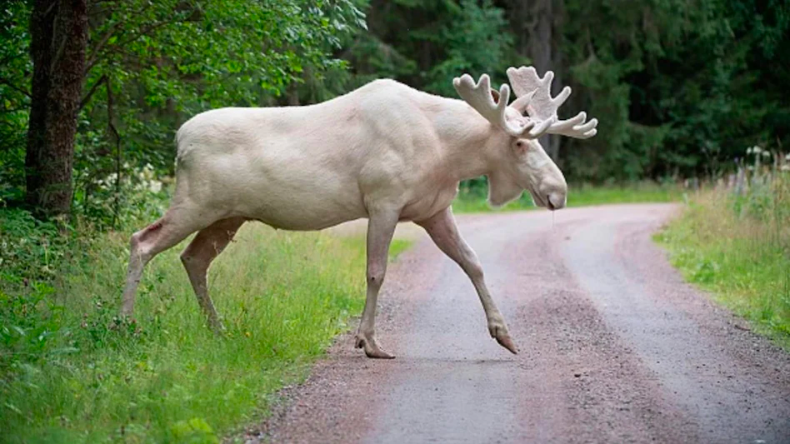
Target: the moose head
(531, 115)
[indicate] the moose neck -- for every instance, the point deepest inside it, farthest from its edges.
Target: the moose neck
(471, 145)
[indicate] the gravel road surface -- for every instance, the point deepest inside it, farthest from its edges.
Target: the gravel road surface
(614, 347)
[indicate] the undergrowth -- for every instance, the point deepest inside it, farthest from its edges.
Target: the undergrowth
(71, 371)
(737, 246)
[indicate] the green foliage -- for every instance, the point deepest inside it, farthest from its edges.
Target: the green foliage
(680, 87)
(427, 43)
(71, 371)
(25, 241)
(194, 431)
(738, 247)
(112, 201)
(15, 67)
(476, 41)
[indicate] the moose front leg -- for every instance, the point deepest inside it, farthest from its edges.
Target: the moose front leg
(381, 227)
(442, 229)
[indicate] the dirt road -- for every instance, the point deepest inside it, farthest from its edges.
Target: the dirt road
(614, 347)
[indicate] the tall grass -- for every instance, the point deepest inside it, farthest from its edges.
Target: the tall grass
(737, 245)
(72, 372)
(474, 200)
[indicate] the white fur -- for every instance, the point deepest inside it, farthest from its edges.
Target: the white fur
(386, 152)
(308, 168)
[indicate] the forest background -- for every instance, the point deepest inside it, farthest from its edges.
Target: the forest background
(681, 88)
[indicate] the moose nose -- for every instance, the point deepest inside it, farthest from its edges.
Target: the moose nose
(555, 201)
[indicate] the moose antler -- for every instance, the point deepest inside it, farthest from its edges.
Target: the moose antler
(480, 97)
(542, 108)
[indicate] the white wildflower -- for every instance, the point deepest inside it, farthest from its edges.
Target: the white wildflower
(766, 154)
(785, 167)
(155, 186)
(756, 149)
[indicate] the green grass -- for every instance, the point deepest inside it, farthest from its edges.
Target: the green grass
(740, 256)
(71, 372)
(578, 196)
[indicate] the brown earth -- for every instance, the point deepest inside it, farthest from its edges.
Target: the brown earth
(614, 347)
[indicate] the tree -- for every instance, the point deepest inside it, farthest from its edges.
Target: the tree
(536, 25)
(59, 34)
(681, 88)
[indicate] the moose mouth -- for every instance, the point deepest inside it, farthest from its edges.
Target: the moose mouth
(541, 201)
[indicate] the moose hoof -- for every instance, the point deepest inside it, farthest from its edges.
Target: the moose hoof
(372, 349)
(218, 329)
(216, 326)
(503, 338)
(506, 342)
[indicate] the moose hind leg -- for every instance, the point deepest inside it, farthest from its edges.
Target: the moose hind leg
(172, 228)
(197, 258)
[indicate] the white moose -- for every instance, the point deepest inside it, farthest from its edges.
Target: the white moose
(385, 151)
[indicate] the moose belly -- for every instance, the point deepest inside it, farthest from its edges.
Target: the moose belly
(300, 217)
(295, 208)
(429, 203)
(288, 198)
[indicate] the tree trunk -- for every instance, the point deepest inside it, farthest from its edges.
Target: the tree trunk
(557, 15)
(59, 36)
(536, 23)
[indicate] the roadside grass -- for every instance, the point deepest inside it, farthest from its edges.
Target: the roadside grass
(70, 371)
(474, 200)
(358, 243)
(738, 248)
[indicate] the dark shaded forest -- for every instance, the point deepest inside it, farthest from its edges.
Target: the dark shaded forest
(681, 88)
